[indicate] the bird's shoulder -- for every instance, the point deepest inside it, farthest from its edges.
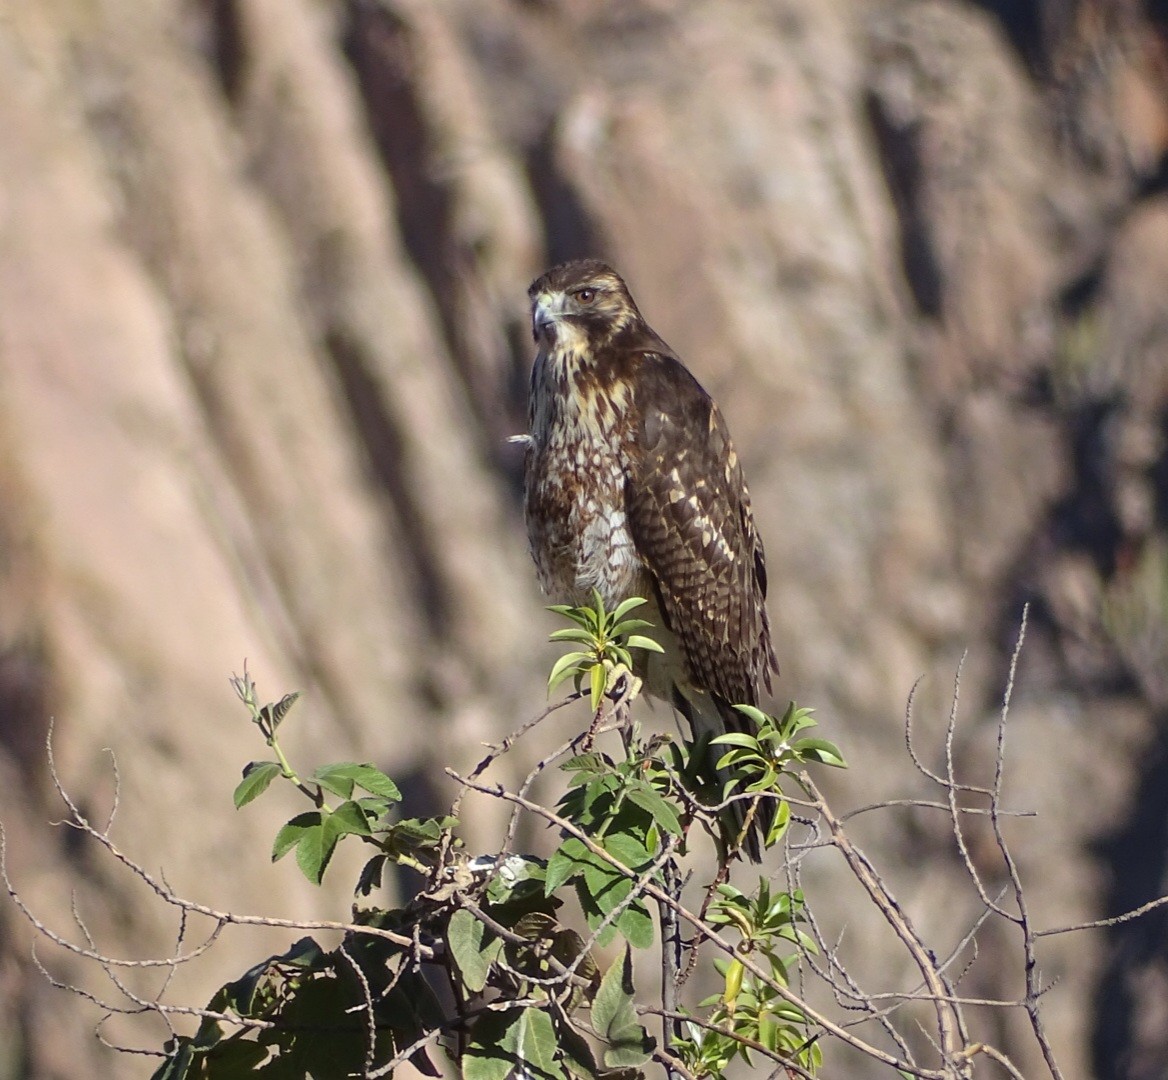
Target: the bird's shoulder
(666, 394)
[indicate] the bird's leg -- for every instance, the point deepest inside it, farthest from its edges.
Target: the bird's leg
(623, 687)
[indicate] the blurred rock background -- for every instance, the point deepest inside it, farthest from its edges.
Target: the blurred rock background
(263, 335)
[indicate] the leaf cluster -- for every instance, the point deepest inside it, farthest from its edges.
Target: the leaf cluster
(750, 1010)
(525, 989)
(605, 639)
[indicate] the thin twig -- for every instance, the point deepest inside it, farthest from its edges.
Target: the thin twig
(680, 1017)
(1100, 924)
(898, 919)
(706, 931)
(367, 1005)
(1033, 988)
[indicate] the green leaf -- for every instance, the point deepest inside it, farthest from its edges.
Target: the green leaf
(598, 678)
(630, 626)
(371, 875)
(577, 1054)
(293, 832)
(614, 1017)
(819, 750)
(635, 925)
(757, 715)
(592, 762)
(209, 1035)
(237, 1057)
(333, 778)
(516, 1042)
(179, 1059)
(314, 851)
(535, 1043)
(373, 780)
(275, 713)
(627, 850)
(736, 738)
(662, 812)
(625, 606)
(566, 862)
(239, 996)
(341, 778)
(572, 633)
(565, 667)
(375, 809)
(779, 822)
(256, 779)
(348, 818)
(639, 641)
(473, 949)
(412, 835)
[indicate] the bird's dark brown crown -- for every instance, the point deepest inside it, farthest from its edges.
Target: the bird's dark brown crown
(595, 296)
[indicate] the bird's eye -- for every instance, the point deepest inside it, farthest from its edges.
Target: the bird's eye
(585, 296)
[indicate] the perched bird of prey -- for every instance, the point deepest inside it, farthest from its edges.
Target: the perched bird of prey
(633, 488)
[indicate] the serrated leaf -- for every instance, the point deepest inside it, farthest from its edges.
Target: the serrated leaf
(370, 778)
(473, 949)
(275, 713)
(348, 818)
(314, 851)
(592, 762)
(614, 1017)
(375, 808)
(535, 1043)
(414, 834)
(333, 778)
(578, 1055)
(627, 850)
(517, 1042)
(256, 779)
(293, 832)
(662, 812)
(566, 862)
(535, 925)
(602, 888)
(371, 875)
(178, 1062)
(635, 925)
(340, 778)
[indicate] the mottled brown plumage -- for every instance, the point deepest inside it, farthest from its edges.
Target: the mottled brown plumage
(633, 487)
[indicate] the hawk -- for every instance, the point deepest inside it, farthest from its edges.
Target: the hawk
(632, 487)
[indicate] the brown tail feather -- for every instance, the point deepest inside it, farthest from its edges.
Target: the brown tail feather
(709, 716)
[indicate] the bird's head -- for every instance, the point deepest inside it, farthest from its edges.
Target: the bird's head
(579, 305)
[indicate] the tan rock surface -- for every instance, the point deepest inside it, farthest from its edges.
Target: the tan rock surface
(262, 334)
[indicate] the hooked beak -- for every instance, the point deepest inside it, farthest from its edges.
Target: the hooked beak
(544, 314)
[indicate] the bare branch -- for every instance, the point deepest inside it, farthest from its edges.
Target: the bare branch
(704, 929)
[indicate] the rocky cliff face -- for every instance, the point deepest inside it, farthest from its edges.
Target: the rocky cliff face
(262, 336)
